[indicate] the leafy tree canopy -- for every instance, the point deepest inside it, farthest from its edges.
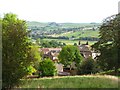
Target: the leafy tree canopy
(16, 50)
(70, 54)
(109, 43)
(47, 68)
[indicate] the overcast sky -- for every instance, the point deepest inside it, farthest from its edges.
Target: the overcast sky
(82, 11)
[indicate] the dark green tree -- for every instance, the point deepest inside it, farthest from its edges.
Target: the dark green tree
(109, 43)
(70, 54)
(64, 44)
(16, 50)
(87, 43)
(75, 44)
(79, 43)
(88, 66)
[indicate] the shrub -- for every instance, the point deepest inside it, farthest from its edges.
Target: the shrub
(47, 68)
(110, 72)
(31, 70)
(87, 66)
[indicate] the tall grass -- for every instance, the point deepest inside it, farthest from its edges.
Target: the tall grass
(72, 82)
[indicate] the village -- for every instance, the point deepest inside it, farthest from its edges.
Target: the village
(60, 44)
(52, 53)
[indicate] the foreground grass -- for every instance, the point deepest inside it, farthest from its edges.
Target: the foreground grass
(72, 82)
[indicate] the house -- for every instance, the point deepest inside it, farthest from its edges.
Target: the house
(95, 54)
(51, 53)
(85, 50)
(59, 67)
(44, 50)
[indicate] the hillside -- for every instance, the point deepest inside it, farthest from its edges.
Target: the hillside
(66, 31)
(52, 28)
(60, 25)
(81, 33)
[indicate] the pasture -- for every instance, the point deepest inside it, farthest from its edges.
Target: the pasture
(84, 81)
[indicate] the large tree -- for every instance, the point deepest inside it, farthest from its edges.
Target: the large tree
(88, 66)
(16, 50)
(70, 54)
(109, 43)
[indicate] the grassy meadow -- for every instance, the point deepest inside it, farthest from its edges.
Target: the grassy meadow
(89, 81)
(82, 33)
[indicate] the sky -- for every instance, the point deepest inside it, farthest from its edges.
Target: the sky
(76, 11)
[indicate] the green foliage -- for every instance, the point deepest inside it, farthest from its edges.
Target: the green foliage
(87, 66)
(109, 57)
(75, 44)
(109, 31)
(16, 50)
(30, 69)
(70, 54)
(35, 56)
(49, 44)
(109, 72)
(47, 68)
(70, 42)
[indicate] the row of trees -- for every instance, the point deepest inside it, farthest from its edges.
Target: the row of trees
(49, 44)
(65, 37)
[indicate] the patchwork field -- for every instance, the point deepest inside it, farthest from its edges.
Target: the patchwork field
(82, 33)
(89, 81)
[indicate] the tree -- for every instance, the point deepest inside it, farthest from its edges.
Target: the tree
(64, 44)
(87, 66)
(70, 54)
(79, 43)
(47, 68)
(109, 43)
(16, 50)
(87, 43)
(35, 56)
(75, 44)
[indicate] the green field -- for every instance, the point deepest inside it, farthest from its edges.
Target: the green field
(71, 42)
(72, 82)
(82, 33)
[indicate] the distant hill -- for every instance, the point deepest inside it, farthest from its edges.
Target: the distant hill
(63, 30)
(63, 25)
(37, 24)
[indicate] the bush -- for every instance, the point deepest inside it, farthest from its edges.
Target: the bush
(31, 70)
(87, 66)
(47, 68)
(110, 72)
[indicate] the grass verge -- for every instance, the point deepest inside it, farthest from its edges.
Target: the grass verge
(89, 81)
